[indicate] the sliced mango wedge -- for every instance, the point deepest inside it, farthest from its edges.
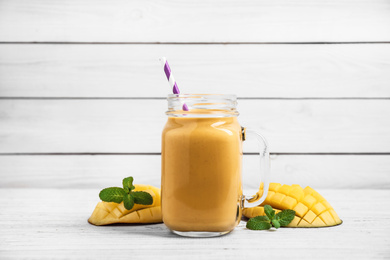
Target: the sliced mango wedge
(311, 209)
(106, 213)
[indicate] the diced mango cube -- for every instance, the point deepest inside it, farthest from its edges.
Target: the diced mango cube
(309, 201)
(300, 209)
(258, 211)
(121, 208)
(318, 208)
(310, 216)
(327, 218)
(297, 193)
(294, 222)
(288, 203)
(285, 189)
(317, 222)
(117, 213)
(274, 186)
(102, 213)
(110, 205)
(335, 216)
(327, 205)
(308, 190)
(333, 213)
(277, 199)
(318, 196)
(304, 223)
(268, 199)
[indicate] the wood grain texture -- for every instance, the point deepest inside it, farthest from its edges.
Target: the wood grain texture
(276, 71)
(135, 126)
(317, 171)
(52, 224)
(194, 21)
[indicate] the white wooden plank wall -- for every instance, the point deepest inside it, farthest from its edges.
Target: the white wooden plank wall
(194, 21)
(82, 91)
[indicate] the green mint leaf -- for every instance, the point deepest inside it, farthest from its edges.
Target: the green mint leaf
(285, 217)
(257, 225)
(275, 223)
(128, 201)
(261, 218)
(113, 194)
(142, 197)
(128, 184)
(269, 211)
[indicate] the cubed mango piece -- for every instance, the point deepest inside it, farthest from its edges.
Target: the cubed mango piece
(294, 222)
(297, 193)
(277, 199)
(310, 216)
(288, 203)
(304, 223)
(274, 186)
(110, 206)
(327, 205)
(318, 208)
(327, 218)
(268, 199)
(318, 196)
(308, 190)
(317, 222)
(300, 209)
(285, 189)
(257, 211)
(335, 216)
(309, 201)
(117, 213)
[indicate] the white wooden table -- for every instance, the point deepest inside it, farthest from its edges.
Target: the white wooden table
(52, 224)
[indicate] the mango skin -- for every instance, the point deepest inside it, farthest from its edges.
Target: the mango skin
(106, 213)
(311, 209)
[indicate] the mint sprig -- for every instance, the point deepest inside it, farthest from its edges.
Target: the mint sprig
(285, 217)
(128, 184)
(128, 201)
(126, 194)
(281, 219)
(269, 212)
(113, 194)
(256, 224)
(141, 197)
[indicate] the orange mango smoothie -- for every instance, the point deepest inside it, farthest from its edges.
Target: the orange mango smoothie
(201, 185)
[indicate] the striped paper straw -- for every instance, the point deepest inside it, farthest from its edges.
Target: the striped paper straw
(171, 79)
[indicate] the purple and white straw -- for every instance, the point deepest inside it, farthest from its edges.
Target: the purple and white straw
(171, 79)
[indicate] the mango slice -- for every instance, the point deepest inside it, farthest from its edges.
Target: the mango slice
(110, 212)
(311, 209)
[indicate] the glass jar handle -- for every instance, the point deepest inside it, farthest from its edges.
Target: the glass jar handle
(260, 196)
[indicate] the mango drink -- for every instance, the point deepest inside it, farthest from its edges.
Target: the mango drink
(201, 173)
